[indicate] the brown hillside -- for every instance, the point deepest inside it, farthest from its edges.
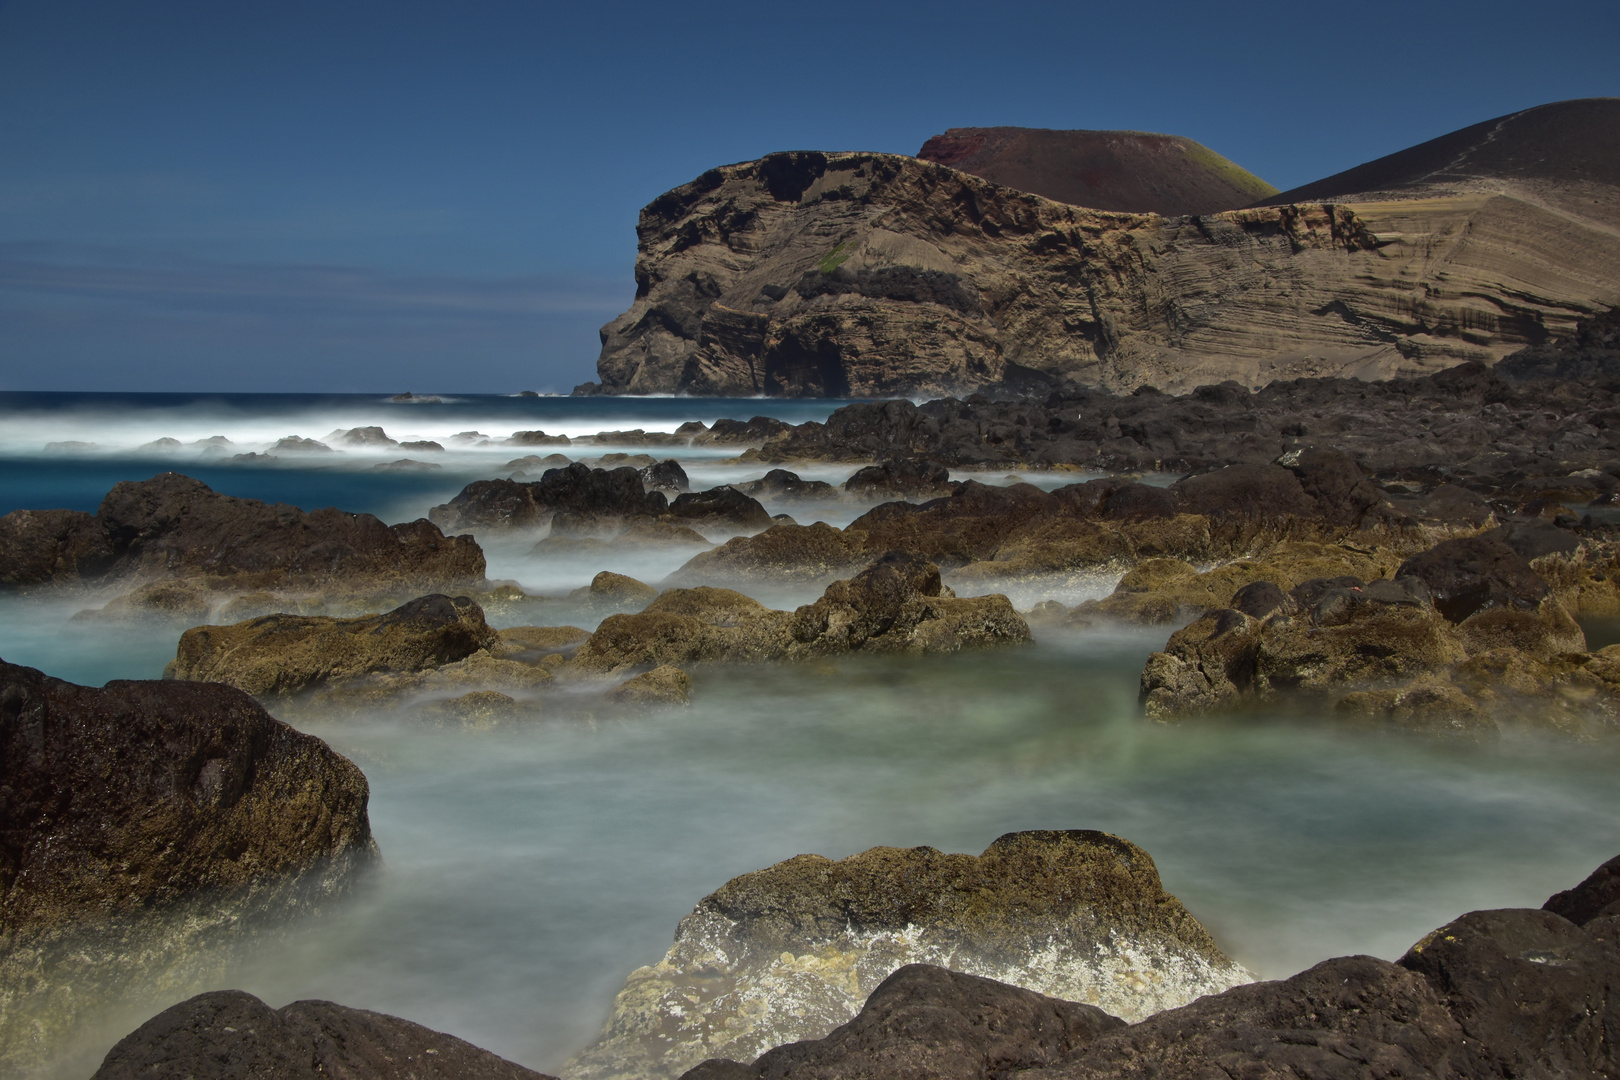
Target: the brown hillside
(1122, 171)
(1564, 145)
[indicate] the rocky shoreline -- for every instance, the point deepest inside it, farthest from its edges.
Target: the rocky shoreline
(1396, 554)
(1502, 993)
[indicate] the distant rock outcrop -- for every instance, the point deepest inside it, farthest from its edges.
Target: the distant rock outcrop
(861, 274)
(174, 528)
(1132, 172)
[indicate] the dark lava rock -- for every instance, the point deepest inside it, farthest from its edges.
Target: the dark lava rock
(1596, 897)
(1252, 491)
(485, 504)
(1533, 993)
(927, 1021)
(900, 478)
(364, 436)
(1333, 480)
(1591, 354)
(721, 508)
(38, 546)
(1121, 500)
(538, 438)
(739, 432)
(1533, 539)
(780, 485)
(1307, 593)
(971, 524)
(1259, 599)
(174, 526)
(230, 1034)
(138, 794)
(1475, 573)
(1354, 1016)
(283, 654)
(665, 476)
(600, 493)
(867, 605)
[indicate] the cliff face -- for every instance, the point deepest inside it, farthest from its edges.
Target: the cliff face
(859, 274)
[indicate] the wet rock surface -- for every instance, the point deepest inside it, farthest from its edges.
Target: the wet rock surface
(228, 1033)
(146, 821)
(929, 1021)
(141, 792)
(577, 488)
(1492, 994)
(174, 527)
(791, 951)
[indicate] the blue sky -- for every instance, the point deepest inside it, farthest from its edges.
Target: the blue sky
(350, 195)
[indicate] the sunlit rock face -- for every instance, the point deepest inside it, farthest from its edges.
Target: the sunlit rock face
(792, 951)
(859, 274)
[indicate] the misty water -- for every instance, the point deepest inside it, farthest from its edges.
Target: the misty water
(528, 868)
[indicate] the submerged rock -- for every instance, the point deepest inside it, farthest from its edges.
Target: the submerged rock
(228, 1033)
(790, 952)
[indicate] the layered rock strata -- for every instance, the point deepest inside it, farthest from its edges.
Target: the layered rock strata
(869, 275)
(144, 821)
(790, 952)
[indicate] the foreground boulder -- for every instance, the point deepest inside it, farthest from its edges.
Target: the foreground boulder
(1492, 994)
(790, 952)
(230, 1033)
(174, 527)
(144, 820)
(929, 1021)
(284, 654)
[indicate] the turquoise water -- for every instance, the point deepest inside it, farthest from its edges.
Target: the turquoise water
(529, 868)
